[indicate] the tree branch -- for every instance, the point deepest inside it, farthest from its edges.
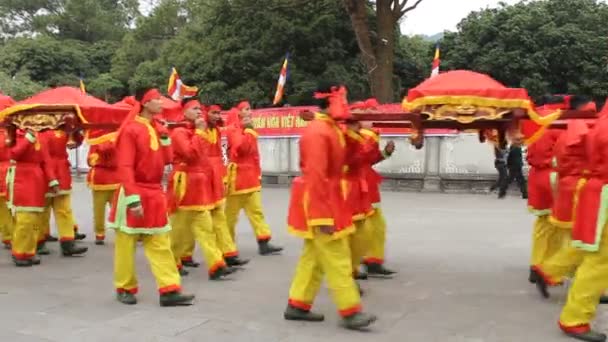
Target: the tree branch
(402, 8)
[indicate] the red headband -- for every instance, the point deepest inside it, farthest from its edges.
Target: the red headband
(215, 108)
(152, 94)
(338, 106)
(243, 105)
(192, 104)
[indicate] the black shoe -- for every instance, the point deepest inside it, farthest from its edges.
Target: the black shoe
(23, 263)
(541, 285)
(51, 238)
(589, 336)
(295, 314)
(235, 261)
(265, 248)
(126, 298)
(35, 260)
(100, 242)
(360, 276)
(604, 299)
(524, 196)
(79, 236)
(358, 321)
(378, 270)
(175, 299)
(221, 273)
(7, 245)
(43, 250)
(183, 272)
(502, 195)
(191, 263)
(69, 248)
(532, 277)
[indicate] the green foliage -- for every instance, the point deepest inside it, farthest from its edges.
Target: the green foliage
(555, 46)
(105, 87)
(18, 87)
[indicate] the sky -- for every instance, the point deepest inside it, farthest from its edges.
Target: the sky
(434, 16)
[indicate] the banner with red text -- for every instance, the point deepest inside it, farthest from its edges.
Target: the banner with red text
(286, 122)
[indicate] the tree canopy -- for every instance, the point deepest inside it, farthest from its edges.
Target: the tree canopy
(234, 49)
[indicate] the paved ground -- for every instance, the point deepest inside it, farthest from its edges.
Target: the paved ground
(462, 262)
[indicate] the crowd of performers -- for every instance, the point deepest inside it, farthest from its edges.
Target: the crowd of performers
(568, 194)
(334, 204)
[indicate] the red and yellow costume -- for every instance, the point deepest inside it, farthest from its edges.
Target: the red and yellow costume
(317, 202)
(28, 179)
(6, 218)
(572, 160)
(244, 179)
(61, 202)
(190, 191)
(102, 179)
(356, 192)
(217, 178)
(589, 234)
(141, 159)
(376, 250)
(545, 240)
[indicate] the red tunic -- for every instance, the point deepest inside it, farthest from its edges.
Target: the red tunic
(540, 159)
(571, 160)
(244, 172)
(29, 174)
(57, 142)
(216, 158)
(189, 185)
(373, 178)
(356, 187)
(102, 162)
(141, 160)
(317, 198)
(592, 207)
(5, 156)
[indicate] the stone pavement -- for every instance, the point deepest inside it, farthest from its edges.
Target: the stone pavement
(462, 262)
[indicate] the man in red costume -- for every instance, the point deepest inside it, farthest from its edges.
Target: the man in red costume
(29, 177)
(190, 192)
(589, 234)
(6, 218)
(546, 239)
(102, 178)
(60, 203)
(319, 214)
(139, 209)
(374, 260)
(244, 178)
(217, 177)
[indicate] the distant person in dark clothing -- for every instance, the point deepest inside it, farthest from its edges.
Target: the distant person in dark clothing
(500, 163)
(515, 164)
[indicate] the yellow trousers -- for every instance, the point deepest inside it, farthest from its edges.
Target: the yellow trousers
(6, 222)
(547, 240)
(359, 242)
(324, 255)
(590, 282)
(225, 241)
(187, 223)
(27, 226)
(101, 199)
(562, 264)
(64, 217)
(252, 204)
(157, 248)
(377, 242)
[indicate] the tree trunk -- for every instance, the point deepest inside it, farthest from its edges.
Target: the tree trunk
(385, 52)
(378, 60)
